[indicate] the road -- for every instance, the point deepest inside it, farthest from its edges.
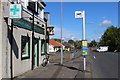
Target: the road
(104, 64)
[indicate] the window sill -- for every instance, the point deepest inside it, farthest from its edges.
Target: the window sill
(24, 58)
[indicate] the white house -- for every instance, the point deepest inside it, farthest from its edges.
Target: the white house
(24, 56)
(55, 46)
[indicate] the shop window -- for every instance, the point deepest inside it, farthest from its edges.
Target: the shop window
(25, 47)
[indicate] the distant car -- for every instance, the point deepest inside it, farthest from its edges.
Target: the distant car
(102, 49)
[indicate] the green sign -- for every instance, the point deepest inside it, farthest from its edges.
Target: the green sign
(84, 52)
(15, 11)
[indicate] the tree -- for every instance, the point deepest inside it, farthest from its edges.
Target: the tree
(71, 42)
(110, 38)
(93, 43)
(76, 44)
(118, 39)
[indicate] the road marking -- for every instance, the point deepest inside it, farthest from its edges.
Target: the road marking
(94, 57)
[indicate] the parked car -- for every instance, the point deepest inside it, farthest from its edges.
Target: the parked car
(102, 49)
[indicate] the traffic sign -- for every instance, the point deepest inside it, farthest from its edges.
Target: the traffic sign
(79, 14)
(15, 11)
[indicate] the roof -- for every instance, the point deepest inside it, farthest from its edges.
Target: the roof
(54, 43)
(67, 44)
(43, 4)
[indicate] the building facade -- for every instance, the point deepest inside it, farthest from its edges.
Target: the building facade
(55, 46)
(28, 50)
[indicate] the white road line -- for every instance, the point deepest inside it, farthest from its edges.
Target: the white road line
(94, 57)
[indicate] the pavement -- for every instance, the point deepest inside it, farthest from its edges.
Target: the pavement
(72, 68)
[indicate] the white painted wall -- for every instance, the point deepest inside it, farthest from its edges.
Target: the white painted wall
(25, 3)
(19, 66)
(5, 54)
(51, 48)
(42, 14)
(0, 41)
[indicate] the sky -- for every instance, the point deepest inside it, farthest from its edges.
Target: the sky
(99, 15)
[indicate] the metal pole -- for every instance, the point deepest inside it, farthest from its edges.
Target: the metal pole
(46, 53)
(33, 42)
(83, 25)
(84, 63)
(84, 38)
(11, 42)
(61, 32)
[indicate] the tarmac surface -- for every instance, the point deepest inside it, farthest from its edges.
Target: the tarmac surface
(104, 64)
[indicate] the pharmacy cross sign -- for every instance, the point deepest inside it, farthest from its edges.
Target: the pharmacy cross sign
(15, 11)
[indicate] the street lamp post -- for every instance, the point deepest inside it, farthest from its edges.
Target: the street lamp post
(61, 32)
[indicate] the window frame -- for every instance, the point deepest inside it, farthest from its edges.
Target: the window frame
(43, 47)
(24, 57)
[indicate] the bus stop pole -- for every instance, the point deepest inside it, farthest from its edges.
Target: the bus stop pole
(84, 38)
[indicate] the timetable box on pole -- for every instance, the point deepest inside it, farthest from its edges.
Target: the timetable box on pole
(15, 11)
(84, 47)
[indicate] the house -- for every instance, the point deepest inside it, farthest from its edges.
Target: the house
(55, 46)
(28, 46)
(68, 46)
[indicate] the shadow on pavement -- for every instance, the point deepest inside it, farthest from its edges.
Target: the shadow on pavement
(70, 67)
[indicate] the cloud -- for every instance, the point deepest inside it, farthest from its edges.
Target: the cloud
(105, 23)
